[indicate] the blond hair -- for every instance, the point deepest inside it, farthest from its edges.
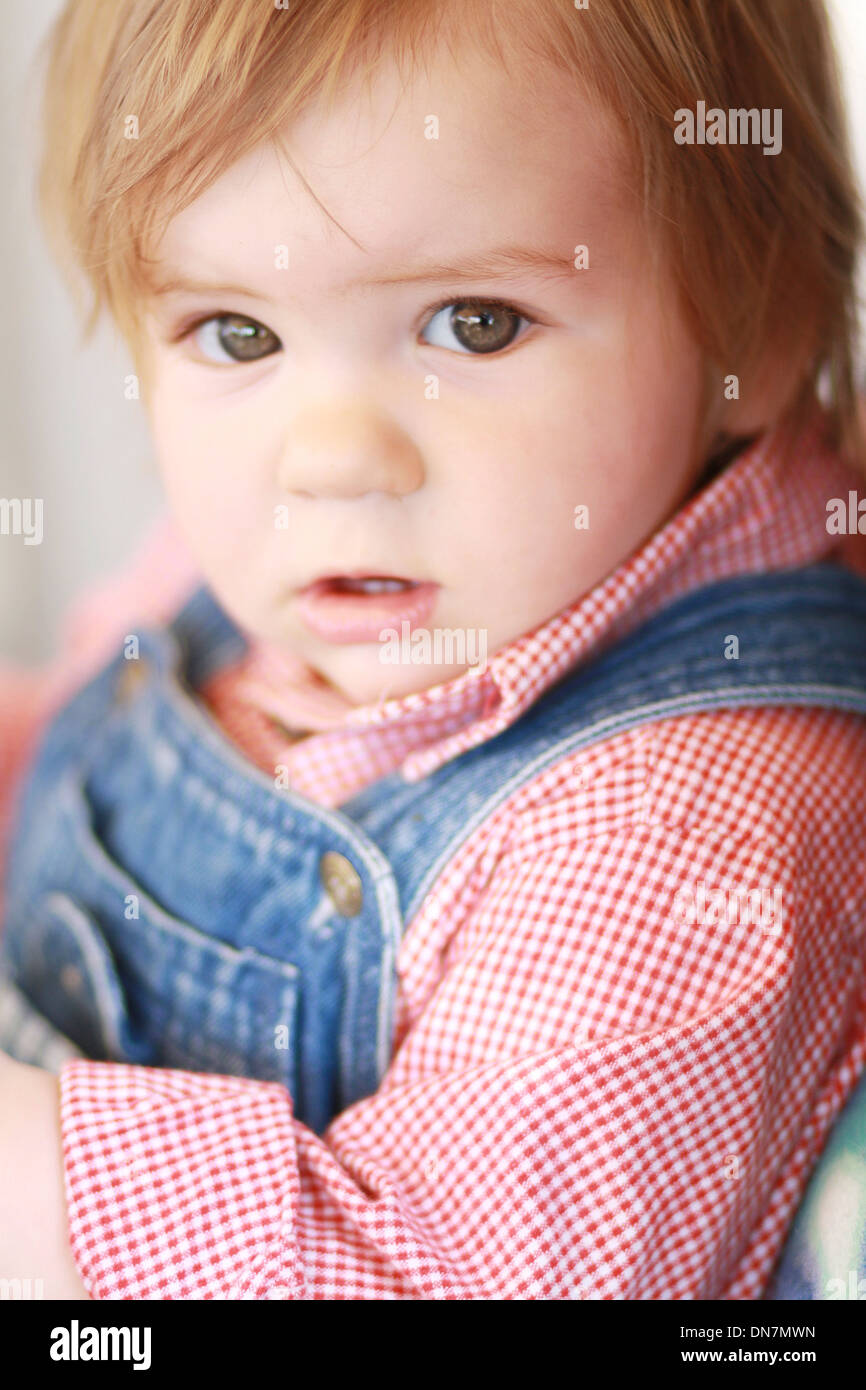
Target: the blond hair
(763, 249)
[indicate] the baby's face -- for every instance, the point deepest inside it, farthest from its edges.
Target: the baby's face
(348, 409)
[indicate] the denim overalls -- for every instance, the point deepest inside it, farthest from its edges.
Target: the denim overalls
(169, 904)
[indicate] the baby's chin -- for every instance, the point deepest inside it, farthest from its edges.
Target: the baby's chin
(363, 678)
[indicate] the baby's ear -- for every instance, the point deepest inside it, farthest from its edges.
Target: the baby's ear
(766, 390)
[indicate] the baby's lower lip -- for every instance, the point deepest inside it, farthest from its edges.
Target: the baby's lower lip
(338, 615)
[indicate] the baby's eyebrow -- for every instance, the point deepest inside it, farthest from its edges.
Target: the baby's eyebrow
(483, 265)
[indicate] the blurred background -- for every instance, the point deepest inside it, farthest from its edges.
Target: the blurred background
(69, 435)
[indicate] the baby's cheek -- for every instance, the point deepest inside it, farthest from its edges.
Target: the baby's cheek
(208, 525)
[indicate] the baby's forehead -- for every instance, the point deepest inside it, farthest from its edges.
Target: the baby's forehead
(403, 171)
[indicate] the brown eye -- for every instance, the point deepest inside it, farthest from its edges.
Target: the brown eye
(241, 339)
(477, 325)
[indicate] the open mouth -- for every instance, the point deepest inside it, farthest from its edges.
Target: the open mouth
(367, 584)
(358, 607)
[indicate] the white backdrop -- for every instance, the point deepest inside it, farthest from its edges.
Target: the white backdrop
(68, 434)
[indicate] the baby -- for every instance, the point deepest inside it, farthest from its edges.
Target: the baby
(445, 878)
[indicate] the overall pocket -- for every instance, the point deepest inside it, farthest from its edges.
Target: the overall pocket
(128, 981)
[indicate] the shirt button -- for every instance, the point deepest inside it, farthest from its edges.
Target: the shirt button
(130, 679)
(342, 883)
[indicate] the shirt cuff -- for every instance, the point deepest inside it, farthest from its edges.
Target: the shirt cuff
(178, 1184)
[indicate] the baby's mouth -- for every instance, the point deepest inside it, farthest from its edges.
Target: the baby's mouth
(369, 584)
(357, 607)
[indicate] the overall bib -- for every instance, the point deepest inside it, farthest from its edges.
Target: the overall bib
(169, 905)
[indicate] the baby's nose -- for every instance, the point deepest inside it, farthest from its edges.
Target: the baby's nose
(346, 453)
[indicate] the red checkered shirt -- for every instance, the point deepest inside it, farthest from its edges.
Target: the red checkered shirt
(588, 1096)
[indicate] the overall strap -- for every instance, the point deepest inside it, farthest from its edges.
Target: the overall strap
(787, 637)
(800, 640)
(206, 637)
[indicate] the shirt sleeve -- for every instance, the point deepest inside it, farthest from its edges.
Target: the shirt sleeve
(599, 1098)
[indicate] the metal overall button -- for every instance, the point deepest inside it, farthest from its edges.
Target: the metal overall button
(342, 883)
(69, 973)
(71, 979)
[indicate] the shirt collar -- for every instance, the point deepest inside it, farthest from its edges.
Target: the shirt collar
(766, 510)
